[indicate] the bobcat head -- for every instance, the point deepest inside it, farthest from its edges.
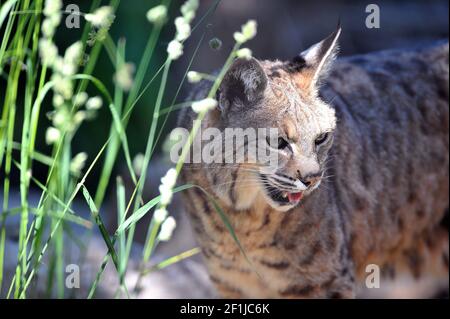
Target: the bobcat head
(282, 95)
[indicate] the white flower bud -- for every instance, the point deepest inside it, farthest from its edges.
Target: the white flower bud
(204, 105)
(80, 99)
(138, 163)
(94, 103)
(183, 29)
(157, 15)
(244, 53)
(52, 135)
(249, 30)
(189, 16)
(102, 17)
(79, 117)
(174, 49)
(78, 162)
(239, 37)
(55, 19)
(60, 118)
(167, 228)
(63, 86)
(48, 28)
(52, 7)
(72, 58)
(48, 51)
(194, 77)
(188, 9)
(124, 76)
(170, 178)
(166, 195)
(58, 65)
(58, 100)
(73, 52)
(160, 215)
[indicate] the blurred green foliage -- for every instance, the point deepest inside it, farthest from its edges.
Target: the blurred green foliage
(131, 24)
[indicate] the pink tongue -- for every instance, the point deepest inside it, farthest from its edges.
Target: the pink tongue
(294, 197)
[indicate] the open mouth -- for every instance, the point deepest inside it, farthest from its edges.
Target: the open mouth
(282, 197)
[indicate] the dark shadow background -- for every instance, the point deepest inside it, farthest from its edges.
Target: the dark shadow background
(285, 28)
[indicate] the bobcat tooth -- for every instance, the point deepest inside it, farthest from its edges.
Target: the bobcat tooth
(284, 194)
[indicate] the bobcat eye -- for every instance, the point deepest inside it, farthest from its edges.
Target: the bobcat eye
(321, 138)
(281, 143)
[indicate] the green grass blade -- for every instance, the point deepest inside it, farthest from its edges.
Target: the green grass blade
(174, 259)
(5, 39)
(4, 10)
(2, 246)
(142, 211)
(120, 193)
(101, 226)
(57, 214)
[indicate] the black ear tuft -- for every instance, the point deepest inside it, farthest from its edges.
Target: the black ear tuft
(296, 64)
(243, 85)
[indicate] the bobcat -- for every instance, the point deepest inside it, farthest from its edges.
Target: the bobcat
(362, 178)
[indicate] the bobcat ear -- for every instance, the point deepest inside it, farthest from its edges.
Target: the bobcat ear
(313, 64)
(243, 85)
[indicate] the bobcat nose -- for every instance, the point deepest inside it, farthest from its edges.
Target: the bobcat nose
(310, 180)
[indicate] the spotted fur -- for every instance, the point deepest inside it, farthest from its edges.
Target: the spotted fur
(383, 173)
